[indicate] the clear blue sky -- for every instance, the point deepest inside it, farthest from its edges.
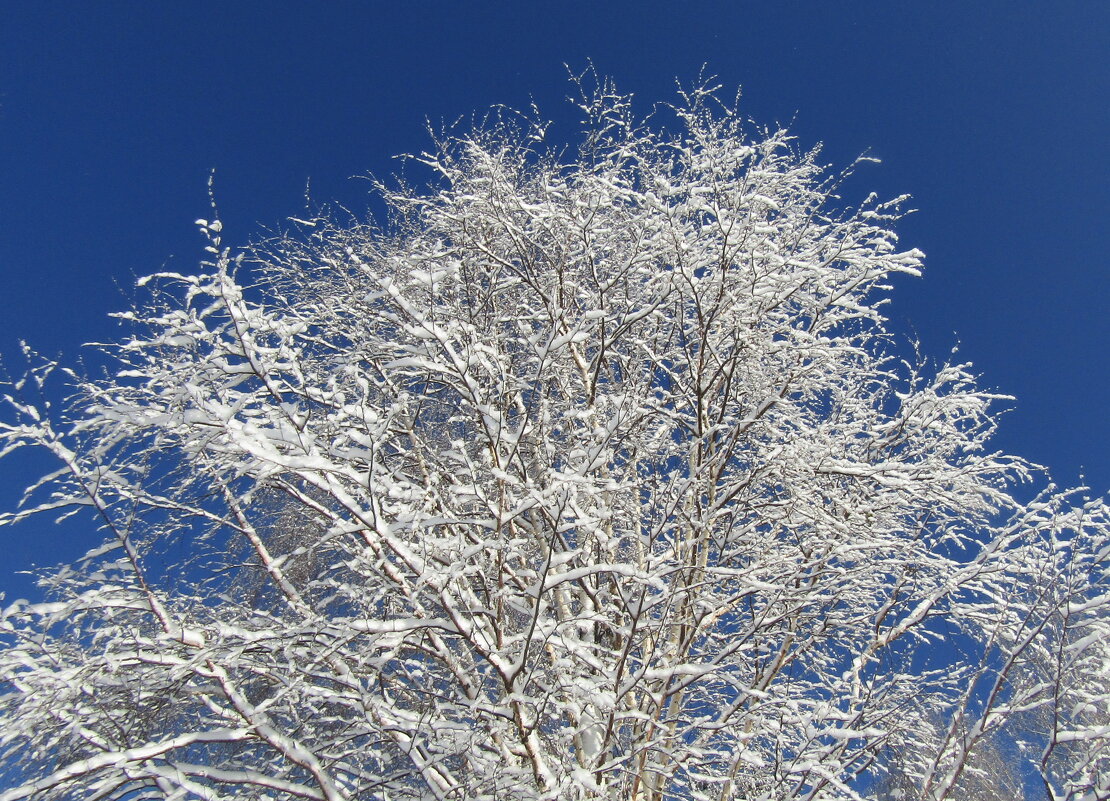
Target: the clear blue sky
(993, 115)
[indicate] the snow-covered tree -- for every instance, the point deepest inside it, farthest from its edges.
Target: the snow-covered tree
(579, 476)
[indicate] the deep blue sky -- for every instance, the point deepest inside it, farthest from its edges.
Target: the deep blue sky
(993, 115)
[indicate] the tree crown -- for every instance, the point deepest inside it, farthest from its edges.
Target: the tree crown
(584, 476)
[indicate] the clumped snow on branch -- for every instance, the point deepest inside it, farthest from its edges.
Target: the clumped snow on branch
(586, 475)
